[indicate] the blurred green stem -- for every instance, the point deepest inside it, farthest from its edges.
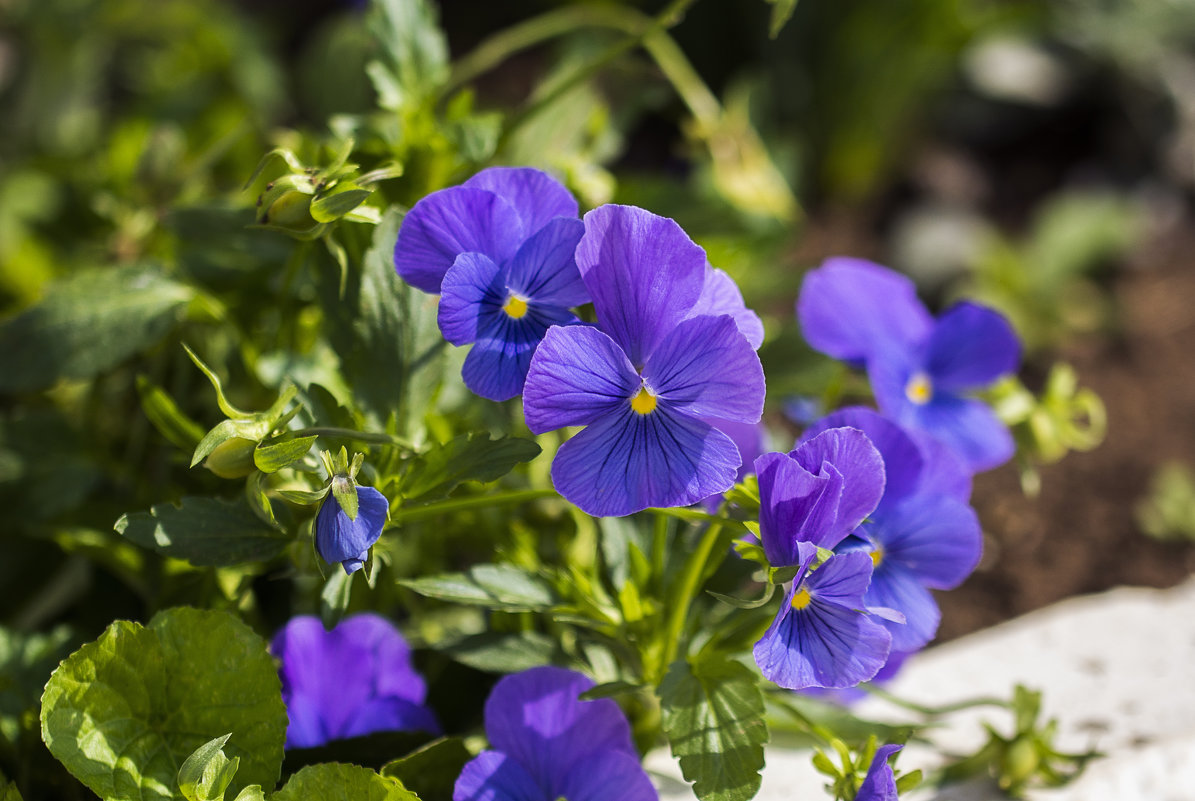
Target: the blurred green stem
(410, 515)
(686, 589)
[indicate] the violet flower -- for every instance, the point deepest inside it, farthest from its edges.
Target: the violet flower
(499, 249)
(810, 498)
(645, 382)
(547, 744)
(354, 680)
(880, 782)
(923, 535)
(920, 368)
(347, 541)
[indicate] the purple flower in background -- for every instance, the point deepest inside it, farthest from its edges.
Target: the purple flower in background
(923, 535)
(344, 540)
(880, 782)
(499, 249)
(645, 382)
(548, 745)
(919, 367)
(354, 680)
(815, 497)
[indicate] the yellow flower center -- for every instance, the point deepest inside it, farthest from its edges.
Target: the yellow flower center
(644, 402)
(515, 306)
(877, 556)
(801, 599)
(919, 390)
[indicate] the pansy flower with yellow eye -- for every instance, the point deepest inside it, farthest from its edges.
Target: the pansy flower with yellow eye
(920, 368)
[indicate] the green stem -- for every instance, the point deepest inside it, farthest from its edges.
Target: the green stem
(686, 589)
(358, 436)
(411, 514)
(934, 711)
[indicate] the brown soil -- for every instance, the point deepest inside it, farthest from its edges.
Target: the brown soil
(1080, 535)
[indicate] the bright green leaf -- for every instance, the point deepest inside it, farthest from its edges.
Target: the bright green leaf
(469, 457)
(494, 586)
(273, 455)
(431, 771)
(713, 715)
(339, 782)
(123, 712)
(208, 771)
(205, 532)
(88, 323)
(342, 200)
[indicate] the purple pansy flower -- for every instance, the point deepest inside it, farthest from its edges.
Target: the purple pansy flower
(815, 497)
(499, 249)
(880, 782)
(645, 382)
(923, 535)
(547, 744)
(339, 539)
(354, 680)
(919, 367)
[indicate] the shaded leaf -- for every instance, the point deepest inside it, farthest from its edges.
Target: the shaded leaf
(498, 652)
(165, 415)
(782, 12)
(431, 771)
(205, 532)
(494, 586)
(469, 457)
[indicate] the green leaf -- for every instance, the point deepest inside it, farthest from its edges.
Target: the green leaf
(494, 586)
(339, 782)
(610, 689)
(123, 712)
(207, 772)
(342, 200)
(713, 716)
(431, 771)
(204, 531)
(414, 46)
(305, 497)
(88, 323)
(782, 11)
(334, 598)
(26, 661)
(275, 454)
(165, 415)
(221, 400)
(259, 501)
(8, 792)
(498, 652)
(469, 457)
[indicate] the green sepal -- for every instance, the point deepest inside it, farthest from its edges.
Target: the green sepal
(283, 451)
(344, 490)
(339, 202)
(206, 774)
(166, 417)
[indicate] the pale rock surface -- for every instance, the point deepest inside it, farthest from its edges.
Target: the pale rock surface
(1116, 669)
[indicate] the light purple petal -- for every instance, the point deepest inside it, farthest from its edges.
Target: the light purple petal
(795, 506)
(822, 645)
(497, 365)
(536, 196)
(895, 587)
(393, 674)
(903, 461)
(970, 347)
(626, 462)
(862, 468)
(305, 728)
(968, 427)
(493, 776)
(535, 718)
(842, 580)
(545, 268)
(472, 289)
(706, 368)
(880, 783)
(643, 273)
(577, 375)
(944, 472)
(389, 714)
(607, 776)
(720, 295)
(450, 222)
(937, 538)
(853, 309)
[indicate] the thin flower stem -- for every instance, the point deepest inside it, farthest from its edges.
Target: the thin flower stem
(409, 515)
(934, 711)
(686, 589)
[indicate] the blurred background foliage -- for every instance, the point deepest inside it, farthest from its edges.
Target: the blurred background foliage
(1019, 152)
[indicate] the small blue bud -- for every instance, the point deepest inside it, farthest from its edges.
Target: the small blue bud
(338, 538)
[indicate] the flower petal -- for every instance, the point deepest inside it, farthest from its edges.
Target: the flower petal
(853, 309)
(339, 539)
(535, 718)
(605, 776)
(970, 347)
(796, 506)
(895, 587)
(497, 365)
(576, 375)
(705, 367)
(968, 427)
(842, 580)
(472, 289)
(625, 462)
(389, 714)
(534, 195)
(880, 783)
(390, 656)
(494, 776)
(450, 222)
(944, 472)
(545, 267)
(721, 295)
(643, 273)
(862, 468)
(903, 461)
(937, 538)
(305, 728)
